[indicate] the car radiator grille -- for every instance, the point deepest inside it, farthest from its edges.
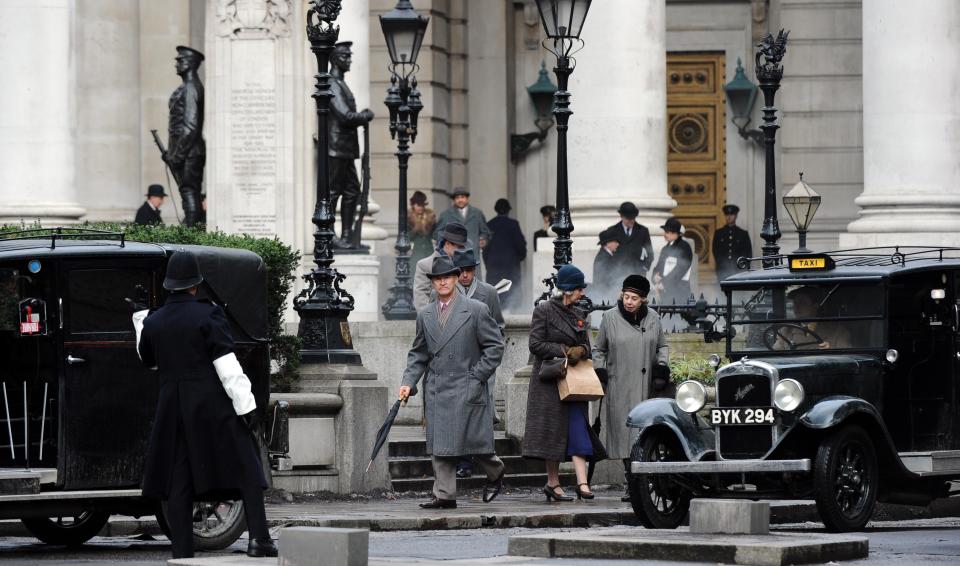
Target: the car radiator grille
(744, 441)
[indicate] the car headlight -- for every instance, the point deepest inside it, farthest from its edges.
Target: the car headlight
(788, 394)
(691, 396)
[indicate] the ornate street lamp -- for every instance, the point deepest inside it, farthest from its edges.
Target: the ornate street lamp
(403, 29)
(541, 94)
(801, 203)
(770, 52)
(323, 306)
(562, 21)
(741, 94)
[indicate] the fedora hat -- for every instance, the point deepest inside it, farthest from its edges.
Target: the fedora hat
(156, 191)
(628, 210)
(465, 258)
(672, 225)
(455, 233)
(442, 266)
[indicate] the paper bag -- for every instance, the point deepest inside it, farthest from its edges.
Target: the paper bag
(581, 383)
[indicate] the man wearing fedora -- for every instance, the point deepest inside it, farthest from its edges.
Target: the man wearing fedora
(453, 237)
(671, 276)
(457, 348)
(463, 212)
(636, 249)
(730, 243)
(149, 211)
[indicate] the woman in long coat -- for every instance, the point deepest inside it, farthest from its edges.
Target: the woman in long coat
(631, 341)
(557, 430)
(421, 222)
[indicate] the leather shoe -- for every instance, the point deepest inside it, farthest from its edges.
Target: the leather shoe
(436, 503)
(492, 489)
(261, 547)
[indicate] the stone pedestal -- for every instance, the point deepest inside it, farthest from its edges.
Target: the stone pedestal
(363, 272)
(316, 546)
(517, 386)
(383, 347)
(729, 516)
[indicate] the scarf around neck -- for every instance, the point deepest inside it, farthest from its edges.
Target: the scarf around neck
(634, 318)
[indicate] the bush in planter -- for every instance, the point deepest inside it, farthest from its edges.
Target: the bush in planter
(692, 366)
(281, 262)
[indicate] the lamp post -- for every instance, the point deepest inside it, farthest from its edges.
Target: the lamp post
(323, 306)
(541, 94)
(801, 203)
(562, 21)
(403, 29)
(741, 94)
(769, 73)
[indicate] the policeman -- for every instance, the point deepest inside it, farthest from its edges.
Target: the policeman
(200, 448)
(730, 243)
(187, 152)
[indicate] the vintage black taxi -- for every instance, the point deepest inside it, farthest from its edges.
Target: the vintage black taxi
(76, 404)
(844, 388)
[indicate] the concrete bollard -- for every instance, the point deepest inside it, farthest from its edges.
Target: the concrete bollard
(321, 546)
(729, 516)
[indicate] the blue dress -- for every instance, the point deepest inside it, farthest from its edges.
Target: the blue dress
(578, 438)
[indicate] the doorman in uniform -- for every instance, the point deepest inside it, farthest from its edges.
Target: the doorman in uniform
(202, 445)
(730, 243)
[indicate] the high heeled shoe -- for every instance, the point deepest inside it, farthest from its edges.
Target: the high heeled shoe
(549, 491)
(584, 494)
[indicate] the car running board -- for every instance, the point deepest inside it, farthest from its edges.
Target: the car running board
(938, 463)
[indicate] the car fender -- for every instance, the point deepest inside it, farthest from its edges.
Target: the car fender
(693, 433)
(831, 411)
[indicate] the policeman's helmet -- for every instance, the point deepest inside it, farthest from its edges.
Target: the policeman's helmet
(183, 271)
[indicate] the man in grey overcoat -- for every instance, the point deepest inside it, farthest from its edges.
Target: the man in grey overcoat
(452, 238)
(457, 347)
(471, 217)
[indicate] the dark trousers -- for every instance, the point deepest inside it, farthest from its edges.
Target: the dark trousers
(191, 184)
(344, 181)
(180, 506)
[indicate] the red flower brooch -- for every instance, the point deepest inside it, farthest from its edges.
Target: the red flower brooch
(579, 324)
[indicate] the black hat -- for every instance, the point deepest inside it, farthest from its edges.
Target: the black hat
(455, 233)
(569, 277)
(502, 206)
(156, 191)
(637, 284)
(465, 258)
(460, 191)
(628, 210)
(731, 209)
(442, 266)
(611, 235)
(343, 47)
(418, 198)
(184, 52)
(183, 271)
(548, 210)
(672, 225)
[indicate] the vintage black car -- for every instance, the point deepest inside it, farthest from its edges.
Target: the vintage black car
(76, 404)
(844, 388)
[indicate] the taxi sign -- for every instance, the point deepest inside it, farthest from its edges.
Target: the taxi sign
(811, 262)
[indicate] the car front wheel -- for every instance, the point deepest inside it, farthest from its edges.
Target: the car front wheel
(657, 501)
(845, 479)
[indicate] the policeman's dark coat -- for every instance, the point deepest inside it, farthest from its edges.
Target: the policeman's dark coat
(678, 256)
(182, 338)
(635, 254)
(729, 244)
(505, 251)
(147, 215)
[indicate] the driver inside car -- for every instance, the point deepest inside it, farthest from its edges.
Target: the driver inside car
(807, 304)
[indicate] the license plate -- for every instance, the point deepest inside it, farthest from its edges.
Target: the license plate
(742, 416)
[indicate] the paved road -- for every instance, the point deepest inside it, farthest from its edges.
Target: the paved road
(933, 542)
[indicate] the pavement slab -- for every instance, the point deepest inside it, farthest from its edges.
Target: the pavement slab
(778, 548)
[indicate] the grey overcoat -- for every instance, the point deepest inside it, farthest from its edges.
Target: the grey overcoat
(457, 360)
(422, 289)
(628, 353)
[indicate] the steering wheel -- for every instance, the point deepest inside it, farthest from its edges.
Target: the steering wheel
(775, 331)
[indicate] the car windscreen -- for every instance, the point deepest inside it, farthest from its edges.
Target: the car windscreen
(809, 317)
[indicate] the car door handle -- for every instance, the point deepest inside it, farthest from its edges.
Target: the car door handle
(74, 361)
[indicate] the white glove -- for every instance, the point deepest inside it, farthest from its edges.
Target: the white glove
(138, 325)
(235, 382)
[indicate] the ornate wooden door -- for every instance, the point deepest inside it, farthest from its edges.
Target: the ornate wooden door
(696, 151)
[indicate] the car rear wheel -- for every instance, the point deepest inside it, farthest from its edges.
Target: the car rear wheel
(657, 501)
(216, 525)
(67, 530)
(845, 479)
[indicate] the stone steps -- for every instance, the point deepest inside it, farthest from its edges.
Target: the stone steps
(478, 481)
(421, 466)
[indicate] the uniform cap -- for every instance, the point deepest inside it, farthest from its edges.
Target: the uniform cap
(184, 52)
(731, 209)
(183, 271)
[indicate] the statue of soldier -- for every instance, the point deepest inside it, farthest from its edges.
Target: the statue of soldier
(343, 145)
(187, 152)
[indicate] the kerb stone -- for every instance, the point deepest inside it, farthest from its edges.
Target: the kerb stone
(729, 516)
(318, 546)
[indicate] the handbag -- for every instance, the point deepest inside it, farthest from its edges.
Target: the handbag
(552, 369)
(580, 383)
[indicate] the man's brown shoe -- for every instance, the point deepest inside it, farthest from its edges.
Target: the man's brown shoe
(436, 503)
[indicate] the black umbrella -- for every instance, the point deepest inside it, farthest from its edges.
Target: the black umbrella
(385, 430)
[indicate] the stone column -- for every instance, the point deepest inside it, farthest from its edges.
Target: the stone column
(36, 125)
(617, 137)
(911, 150)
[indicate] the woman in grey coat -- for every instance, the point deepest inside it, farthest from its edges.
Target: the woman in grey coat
(557, 430)
(630, 343)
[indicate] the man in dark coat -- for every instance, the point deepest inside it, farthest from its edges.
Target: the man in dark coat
(608, 265)
(671, 276)
(458, 346)
(505, 252)
(344, 147)
(636, 250)
(202, 445)
(549, 214)
(730, 243)
(149, 211)
(186, 151)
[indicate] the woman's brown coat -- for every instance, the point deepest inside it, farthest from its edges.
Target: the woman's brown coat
(554, 329)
